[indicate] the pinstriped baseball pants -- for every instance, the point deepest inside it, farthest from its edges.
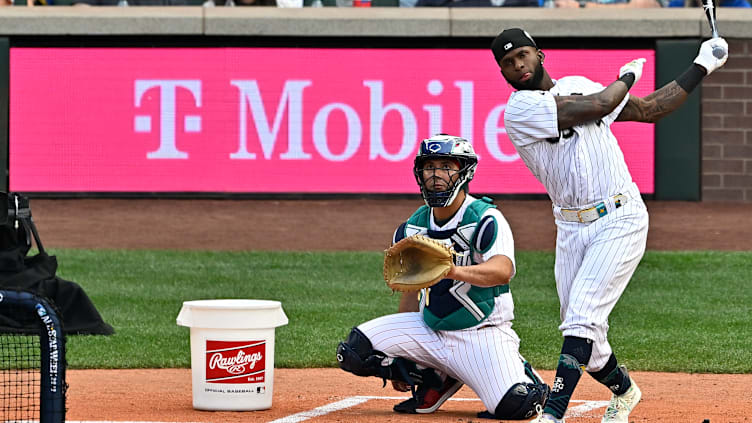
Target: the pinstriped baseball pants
(594, 263)
(486, 358)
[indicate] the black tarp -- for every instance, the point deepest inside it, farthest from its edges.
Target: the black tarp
(37, 273)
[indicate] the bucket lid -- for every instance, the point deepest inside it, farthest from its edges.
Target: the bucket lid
(232, 314)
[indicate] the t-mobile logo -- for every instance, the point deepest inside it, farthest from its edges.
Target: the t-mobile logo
(167, 90)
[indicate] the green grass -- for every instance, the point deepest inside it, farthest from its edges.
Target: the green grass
(683, 311)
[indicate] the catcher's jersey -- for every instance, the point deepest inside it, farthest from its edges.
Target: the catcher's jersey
(478, 231)
(578, 166)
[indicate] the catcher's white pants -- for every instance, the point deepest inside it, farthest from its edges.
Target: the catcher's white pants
(594, 263)
(486, 357)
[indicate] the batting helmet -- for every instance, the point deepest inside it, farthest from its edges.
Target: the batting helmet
(445, 146)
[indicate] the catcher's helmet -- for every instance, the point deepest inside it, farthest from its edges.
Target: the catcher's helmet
(442, 146)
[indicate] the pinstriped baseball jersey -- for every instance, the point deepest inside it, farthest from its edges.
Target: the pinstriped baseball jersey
(586, 164)
(579, 167)
(484, 356)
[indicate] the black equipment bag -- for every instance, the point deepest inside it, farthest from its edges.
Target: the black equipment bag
(37, 273)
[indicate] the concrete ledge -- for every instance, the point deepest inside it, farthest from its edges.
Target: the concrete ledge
(369, 22)
(628, 23)
(329, 21)
(101, 20)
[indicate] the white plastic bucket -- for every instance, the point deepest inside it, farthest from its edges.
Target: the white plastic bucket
(232, 352)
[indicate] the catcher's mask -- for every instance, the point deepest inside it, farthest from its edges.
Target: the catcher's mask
(442, 146)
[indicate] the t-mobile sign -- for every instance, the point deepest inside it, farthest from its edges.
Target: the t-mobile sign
(274, 120)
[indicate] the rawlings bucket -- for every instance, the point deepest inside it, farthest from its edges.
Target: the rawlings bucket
(232, 352)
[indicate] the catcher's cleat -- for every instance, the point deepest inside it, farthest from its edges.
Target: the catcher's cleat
(427, 400)
(621, 405)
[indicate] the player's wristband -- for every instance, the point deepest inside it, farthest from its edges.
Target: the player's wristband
(691, 77)
(628, 78)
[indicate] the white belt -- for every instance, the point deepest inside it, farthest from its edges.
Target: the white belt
(595, 212)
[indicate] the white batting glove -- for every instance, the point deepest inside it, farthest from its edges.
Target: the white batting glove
(634, 67)
(713, 54)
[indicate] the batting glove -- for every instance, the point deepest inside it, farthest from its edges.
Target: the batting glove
(634, 67)
(713, 54)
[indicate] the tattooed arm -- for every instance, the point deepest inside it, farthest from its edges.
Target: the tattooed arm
(669, 97)
(654, 106)
(576, 109)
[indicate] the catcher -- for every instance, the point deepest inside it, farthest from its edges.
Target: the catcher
(458, 330)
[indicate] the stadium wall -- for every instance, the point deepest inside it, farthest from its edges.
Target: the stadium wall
(703, 153)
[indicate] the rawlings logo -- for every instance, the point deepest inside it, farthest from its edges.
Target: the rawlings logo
(235, 361)
(234, 365)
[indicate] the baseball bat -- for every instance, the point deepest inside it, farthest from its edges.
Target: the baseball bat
(709, 7)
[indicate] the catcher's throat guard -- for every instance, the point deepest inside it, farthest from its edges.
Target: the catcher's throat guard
(416, 262)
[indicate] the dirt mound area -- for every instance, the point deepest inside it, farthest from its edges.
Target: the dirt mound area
(353, 224)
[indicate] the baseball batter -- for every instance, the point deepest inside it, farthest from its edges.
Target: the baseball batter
(561, 130)
(461, 326)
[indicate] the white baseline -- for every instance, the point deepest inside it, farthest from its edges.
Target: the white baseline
(578, 410)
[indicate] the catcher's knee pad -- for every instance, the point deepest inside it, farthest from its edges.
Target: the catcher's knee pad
(521, 400)
(356, 355)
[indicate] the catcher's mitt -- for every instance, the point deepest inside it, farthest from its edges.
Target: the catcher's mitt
(416, 262)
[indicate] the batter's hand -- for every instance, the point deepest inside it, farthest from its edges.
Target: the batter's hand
(634, 67)
(398, 385)
(707, 60)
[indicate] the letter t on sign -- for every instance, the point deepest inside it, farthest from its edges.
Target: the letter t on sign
(167, 90)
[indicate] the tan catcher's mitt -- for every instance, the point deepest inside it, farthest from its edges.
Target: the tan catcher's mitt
(416, 262)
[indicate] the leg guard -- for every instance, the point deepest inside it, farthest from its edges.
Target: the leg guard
(357, 356)
(521, 400)
(407, 371)
(615, 377)
(532, 374)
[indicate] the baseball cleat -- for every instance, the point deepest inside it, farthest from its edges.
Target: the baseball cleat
(428, 400)
(621, 405)
(545, 418)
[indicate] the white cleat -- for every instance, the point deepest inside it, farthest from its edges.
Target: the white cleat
(621, 405)
(545, 418)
